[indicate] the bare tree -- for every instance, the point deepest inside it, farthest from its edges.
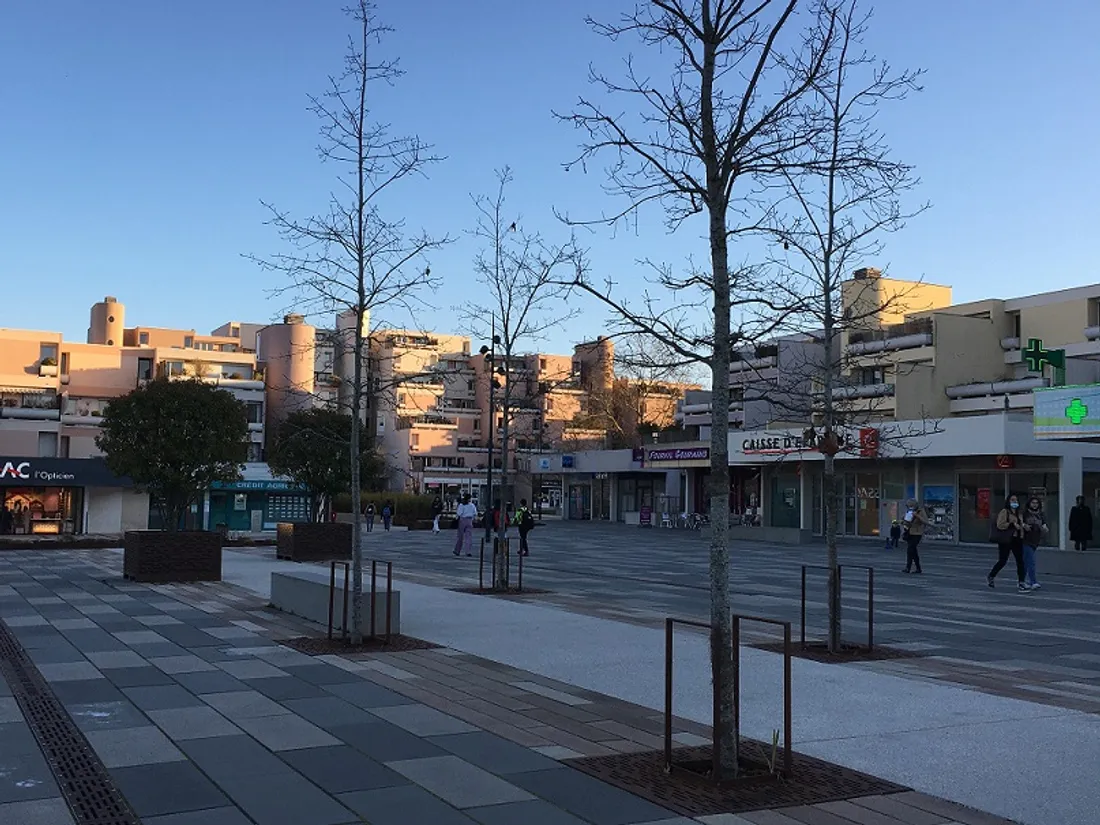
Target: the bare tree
(837, 206)
(523, 278)
(353, 258)
(731, 113)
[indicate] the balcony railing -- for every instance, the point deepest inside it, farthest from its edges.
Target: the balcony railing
(864, 391)
(31, 406)
(909, 335)
(1021, 385)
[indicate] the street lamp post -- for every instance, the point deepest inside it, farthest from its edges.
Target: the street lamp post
(489, 353)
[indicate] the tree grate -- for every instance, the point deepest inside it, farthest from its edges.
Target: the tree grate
(82, 777)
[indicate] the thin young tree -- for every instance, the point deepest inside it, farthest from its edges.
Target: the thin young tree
(352, 258)
(731, 111)
(836, 209)
(524, 280)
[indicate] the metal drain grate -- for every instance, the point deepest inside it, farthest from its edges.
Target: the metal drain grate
(84, 781)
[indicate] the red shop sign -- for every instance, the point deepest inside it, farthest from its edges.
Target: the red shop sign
(1005, 462)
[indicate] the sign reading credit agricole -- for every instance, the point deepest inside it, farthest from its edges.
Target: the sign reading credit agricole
(680, 454)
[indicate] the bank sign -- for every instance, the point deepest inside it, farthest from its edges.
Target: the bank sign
(679, 454)
(788, 443)
(57, 472)
(1067, 412)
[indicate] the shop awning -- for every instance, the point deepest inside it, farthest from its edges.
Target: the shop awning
(26, 390)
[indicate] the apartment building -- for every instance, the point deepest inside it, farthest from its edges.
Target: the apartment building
(934, 401)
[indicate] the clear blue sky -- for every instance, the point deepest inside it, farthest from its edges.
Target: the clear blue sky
(138, 137)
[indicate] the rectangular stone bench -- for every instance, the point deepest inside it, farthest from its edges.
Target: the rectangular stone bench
(305, 593)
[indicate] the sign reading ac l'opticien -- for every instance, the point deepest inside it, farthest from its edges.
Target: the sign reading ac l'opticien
(19, 471)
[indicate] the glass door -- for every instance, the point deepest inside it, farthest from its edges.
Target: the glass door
(868, 495)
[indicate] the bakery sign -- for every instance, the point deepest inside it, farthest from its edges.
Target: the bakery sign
(679, 454)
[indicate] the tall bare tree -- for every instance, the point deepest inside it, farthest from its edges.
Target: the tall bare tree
(836, 208)
(352, 257)
(731, 112)
(524, 286)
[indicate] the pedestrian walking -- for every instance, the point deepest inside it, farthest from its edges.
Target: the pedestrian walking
(1008, 535)
(1080, 524)
(369, 514)
(466, 513)
(894, 536)
(437, 511)
(1035, 527)
(913, 532)
(526, 524)
(387, 515)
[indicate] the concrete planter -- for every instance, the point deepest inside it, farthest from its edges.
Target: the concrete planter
(186, 556)
(320, 541)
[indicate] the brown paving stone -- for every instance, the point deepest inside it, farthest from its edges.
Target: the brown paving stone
(953, 812)
(632, 734)
(897, 808)
(624, 746)
(583, 746)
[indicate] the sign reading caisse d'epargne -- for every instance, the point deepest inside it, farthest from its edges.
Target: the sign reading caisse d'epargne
(783, 443)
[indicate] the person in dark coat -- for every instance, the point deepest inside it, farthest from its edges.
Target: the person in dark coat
(1080, 524)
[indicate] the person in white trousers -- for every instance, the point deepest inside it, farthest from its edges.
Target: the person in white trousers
(466, 513)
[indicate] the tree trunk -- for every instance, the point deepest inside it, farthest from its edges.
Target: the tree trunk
(832, 504)
(356, 484)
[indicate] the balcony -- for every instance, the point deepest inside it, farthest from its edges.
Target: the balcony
(761, 358)
(910, 335)
(996, 395)
(407, 422)
(83, 412)
(864, 391)
(30, 406)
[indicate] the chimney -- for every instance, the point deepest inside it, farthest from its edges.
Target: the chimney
(866, 273)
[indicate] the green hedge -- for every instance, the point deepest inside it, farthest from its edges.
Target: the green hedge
(409, 509)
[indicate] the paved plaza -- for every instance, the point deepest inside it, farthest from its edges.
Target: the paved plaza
(1043, 646)
(201, 717)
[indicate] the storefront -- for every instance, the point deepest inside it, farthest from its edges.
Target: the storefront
(52, 496)
(256, 503)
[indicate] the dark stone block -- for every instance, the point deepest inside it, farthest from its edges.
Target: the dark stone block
(185, 556)
(314, 541)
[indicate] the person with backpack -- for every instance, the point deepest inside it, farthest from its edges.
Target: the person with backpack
(368, 513)
(387, 515)
(526, 524)
(437, 511)
(1008, 534)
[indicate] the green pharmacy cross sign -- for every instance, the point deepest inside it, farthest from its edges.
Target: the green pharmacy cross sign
(1077, 412)
(1037, 358)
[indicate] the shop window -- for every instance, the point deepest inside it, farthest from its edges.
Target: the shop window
(785, 510)
(1043, 486)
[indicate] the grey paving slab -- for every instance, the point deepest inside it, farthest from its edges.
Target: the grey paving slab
(74, 624)
(69, 671)
(133, 746)
(403, 805)
(158, 649)
(367, 694)
(192, 723)
(589, 798)
(188, 663)
(88, 690)
(9, 710)
(533, 812)
(322, 674)
(458, 782)
(251, 669)
(139, 637)
(24, 777)
(342, 769)
(155, 790)
(189, 637)
(284, 800)
(37, 812)
(162, 697)
(287, 732)
(107, 715)
(16, 739)
(493, 753)
(287, 687)
(330, 712)
(234, 634)
(213, 681)
(125, 677)
(230, 756)
(210, 816)
(56, 654)
(384, 742)
(158, 620)
(115, 659)
(422, 720)
(243, 704)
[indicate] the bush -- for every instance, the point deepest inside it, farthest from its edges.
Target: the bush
(408, 509)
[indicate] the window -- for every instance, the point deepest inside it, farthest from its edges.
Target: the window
(477, 425)
(64, 363)
(470, 386)
(1016, 325)
(188, 341)
(145, 369)
(255, 452)
(542, 363)
(47, 445)
(255, 412)
(234, 332)
(869, 376)
(143, 337)
(549, 404)
(500, 422)
(47, 352)
(414, 439)
(63, 451)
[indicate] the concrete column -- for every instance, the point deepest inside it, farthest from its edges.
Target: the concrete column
(613, 504)
(1070, 477)
(916, 480)
(765, 496)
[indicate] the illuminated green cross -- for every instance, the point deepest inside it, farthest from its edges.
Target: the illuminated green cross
(1037, 357)
(1077, 411)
